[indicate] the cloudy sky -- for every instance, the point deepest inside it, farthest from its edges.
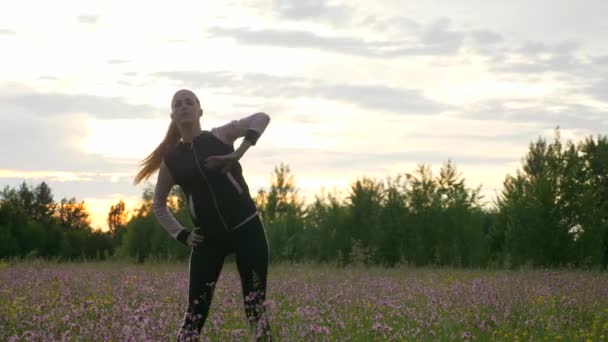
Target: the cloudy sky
(354, 88)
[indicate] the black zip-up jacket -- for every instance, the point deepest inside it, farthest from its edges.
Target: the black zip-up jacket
(218, 202)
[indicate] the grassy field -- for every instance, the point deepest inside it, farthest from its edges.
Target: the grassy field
(42, 301)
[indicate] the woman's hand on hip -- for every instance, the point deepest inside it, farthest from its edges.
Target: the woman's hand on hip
(222, 163)
(194, 239)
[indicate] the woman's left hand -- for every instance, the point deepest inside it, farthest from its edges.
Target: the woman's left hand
(221, 163)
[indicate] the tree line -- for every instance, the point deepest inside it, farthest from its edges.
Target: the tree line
(553, 212)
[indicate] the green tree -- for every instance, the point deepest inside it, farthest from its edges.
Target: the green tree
(424, 206)
(283, 215)
(13, 237)
(364, 204)
(536, 206)
(117, 221)
(459, 233)
(72, 215)
(591, 229)
(43, 206)
(324, 218)
(396, 230)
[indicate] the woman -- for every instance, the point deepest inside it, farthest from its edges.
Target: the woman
(206, 167)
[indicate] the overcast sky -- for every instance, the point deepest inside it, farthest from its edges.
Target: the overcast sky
(354, 88)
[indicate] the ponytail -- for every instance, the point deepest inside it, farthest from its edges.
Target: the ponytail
(153, 161)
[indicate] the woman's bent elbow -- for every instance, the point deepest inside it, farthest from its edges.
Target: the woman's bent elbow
(264, 115)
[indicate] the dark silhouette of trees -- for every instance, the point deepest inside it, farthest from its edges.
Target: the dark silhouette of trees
(552, 212)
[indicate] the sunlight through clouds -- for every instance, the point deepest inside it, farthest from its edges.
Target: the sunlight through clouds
(99, 207)
(123, 138)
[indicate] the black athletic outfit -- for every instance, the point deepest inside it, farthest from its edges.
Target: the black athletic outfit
(223, 211)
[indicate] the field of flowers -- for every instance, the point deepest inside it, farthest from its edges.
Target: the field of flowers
(42, 301)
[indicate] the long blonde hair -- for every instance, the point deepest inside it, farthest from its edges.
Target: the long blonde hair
(153, 161)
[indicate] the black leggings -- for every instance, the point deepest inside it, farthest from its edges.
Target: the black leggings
(250, 245)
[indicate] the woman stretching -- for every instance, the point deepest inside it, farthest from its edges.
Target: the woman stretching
(206, 167)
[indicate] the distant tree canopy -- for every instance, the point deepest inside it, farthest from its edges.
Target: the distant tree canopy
(32, 224)
(555, 210)
(552, 212)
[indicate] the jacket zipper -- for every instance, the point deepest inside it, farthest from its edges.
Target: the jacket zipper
(210, 188)
(234, 182)
(191, 206)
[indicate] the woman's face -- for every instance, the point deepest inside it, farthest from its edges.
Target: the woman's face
(185, 107)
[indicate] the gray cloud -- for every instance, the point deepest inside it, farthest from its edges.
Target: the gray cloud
(486, 37)
(34, 143)
(442, 38)
(582, 74)
(367, 161)
(398, 24)
(542, 58)
(522, 135)
(88, 18)
(118, 61)
(380, 97)
(7, 32)
(602, 60)
(301, 9)
(49, 104)
(558, 63)
(376, 97)
(403, 37)
(599, 88)
(30, 142)
(435, 39)
(311, 9)
(439, 37)
(301, 39)
(38, 133)
(420, 156)
(569, 116)
(531, 48)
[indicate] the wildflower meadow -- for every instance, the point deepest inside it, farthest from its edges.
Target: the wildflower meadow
(110, 301)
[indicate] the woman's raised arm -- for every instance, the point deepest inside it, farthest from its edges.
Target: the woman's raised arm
(251, 127)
